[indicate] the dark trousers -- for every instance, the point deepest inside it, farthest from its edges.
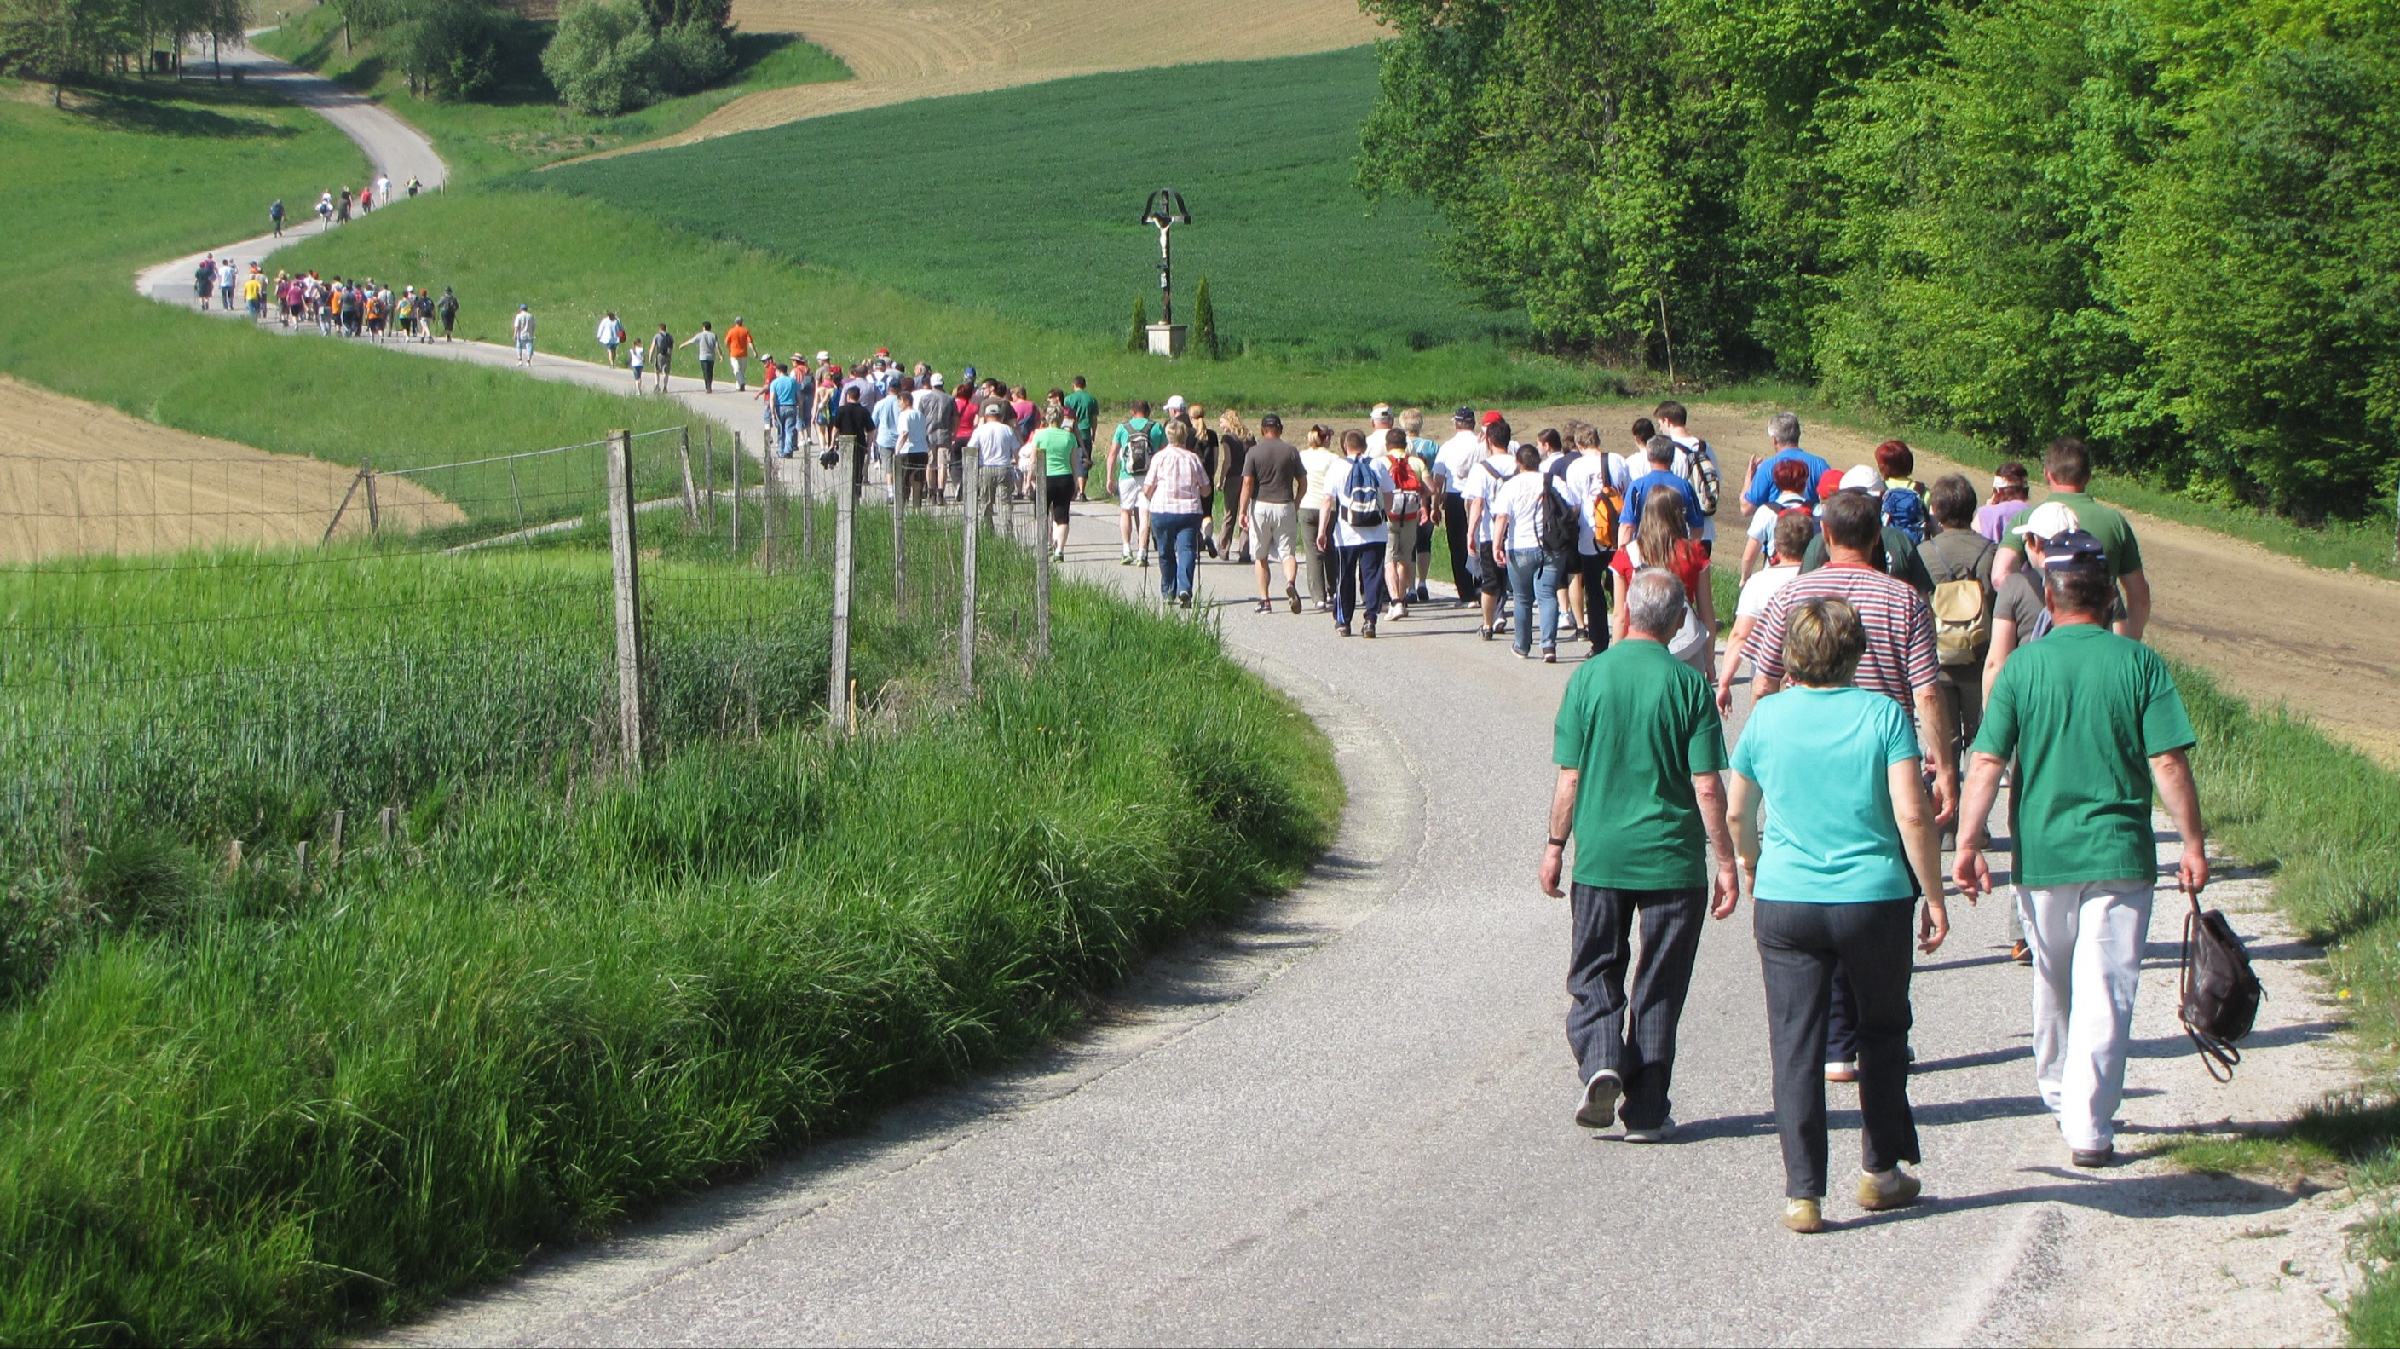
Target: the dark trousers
(1358, 581)
(1636, 1038)
(1454, 531)
(1799, 946)
(708, 377)
(1597, 581)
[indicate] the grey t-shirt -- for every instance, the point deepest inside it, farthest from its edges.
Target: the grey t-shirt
(1275, 467)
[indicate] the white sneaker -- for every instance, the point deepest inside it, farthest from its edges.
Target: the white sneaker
(1657, 1133)
(1598, 1108)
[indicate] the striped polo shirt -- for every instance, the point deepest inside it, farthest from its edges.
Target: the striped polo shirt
(1900, 655)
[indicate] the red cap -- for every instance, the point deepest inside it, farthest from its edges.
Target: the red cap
(883, 351)
(1829, 482)
(1491, 416)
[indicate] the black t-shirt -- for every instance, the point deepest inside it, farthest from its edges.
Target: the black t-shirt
(853, 419)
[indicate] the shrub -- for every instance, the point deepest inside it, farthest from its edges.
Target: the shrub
(603, 59)
(1204, 323)
(450, 48)
(1138, 339)
(690, 55)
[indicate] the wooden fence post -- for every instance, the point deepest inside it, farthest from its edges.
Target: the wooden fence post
(374, 511)
(837, 689)
(691, 493)
(808, 506)
(516, 492)
(899, 545)
(733, 469)
(708, 472)
(336, 521)
(971, 529)
(622, 545)
(766, 504)
(1041, 558)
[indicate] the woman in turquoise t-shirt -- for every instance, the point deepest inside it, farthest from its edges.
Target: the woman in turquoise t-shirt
(1850, 845)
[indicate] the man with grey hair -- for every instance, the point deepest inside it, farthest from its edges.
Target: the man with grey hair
(1638, 728)
(1783, 442)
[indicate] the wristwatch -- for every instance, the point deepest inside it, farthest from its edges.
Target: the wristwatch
(1558, 843)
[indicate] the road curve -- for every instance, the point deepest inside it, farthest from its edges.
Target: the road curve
(1346, 1119)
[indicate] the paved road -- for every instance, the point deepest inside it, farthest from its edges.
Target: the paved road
(393, 148)
(1348, 1119)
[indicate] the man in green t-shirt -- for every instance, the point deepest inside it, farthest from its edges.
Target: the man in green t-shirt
(1087, 427)
(2067, 467)
(2093, 719)
(1639, 748)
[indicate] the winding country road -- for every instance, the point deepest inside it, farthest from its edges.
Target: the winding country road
(1346, 1119)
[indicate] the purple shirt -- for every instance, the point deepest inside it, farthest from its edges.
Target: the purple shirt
(1992, 521)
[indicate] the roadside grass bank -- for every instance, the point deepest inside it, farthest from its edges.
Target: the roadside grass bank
(2337, 545)
(250, 1105)
(519, 123)
(574, 258)
(2325, 819)
(137, 173)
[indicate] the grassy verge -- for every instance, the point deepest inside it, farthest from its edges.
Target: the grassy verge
(520, 124)
(2341, 545)
(207, 158)
(246, 1104)
(2326, 819)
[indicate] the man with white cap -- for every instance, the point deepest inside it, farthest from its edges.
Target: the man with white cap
(2094, 722)
(1895, 553)
(2067, 469)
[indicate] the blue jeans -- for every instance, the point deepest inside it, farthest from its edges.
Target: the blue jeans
(787, 429)
(1178, 536)
(1357, 581)
(1535, 576)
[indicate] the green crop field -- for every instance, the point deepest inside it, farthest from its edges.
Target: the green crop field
(520, 123)
(1027, 202)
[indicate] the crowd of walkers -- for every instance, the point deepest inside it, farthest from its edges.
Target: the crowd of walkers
(335, 306)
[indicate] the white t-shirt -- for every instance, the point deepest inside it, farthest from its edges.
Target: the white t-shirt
(1520, 499)
(1762, 520)
(1455, 462)
(1483, 484)
(1324, 468)
(522, 326)
(608, 333)
(1761, 588)
(1345, 534)
(1584, 477)
(995, 444)
(1687, 444)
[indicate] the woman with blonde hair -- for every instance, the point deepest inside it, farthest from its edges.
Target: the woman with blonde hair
(1233, 446)
(1665, 541)
(1829, 775)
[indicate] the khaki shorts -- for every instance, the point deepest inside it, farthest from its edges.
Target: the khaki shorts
(1274, 531)
(1404, 540)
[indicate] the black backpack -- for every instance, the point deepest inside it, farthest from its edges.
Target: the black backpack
(1137, 450)
(1559, 516)
(2220, 992)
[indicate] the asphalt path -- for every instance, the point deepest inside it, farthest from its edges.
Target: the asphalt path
(1348, 1118)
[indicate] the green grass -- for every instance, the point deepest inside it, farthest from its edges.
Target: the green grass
(2366, 546)
(1028, 202)
(521, 124)
(206, 159)
(2326, 820)
(554, 998)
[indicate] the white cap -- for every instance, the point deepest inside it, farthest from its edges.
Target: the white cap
(1865, 476)
(2048, 520)
(1382, 413)
(1175, 402)
(937, 379)
(824, 355)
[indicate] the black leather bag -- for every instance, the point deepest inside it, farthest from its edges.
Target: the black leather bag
(2221, 994)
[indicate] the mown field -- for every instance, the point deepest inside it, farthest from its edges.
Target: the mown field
(1028, 202)
(251, 1103)
(125, 178)
(519, 123)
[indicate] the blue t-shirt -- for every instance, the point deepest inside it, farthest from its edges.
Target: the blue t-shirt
(1762, 482)
(1819, 757)
(786, 391)
(1641, 488)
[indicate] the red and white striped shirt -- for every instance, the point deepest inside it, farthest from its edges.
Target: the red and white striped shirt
(1900, 655)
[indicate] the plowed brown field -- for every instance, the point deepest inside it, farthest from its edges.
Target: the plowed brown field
(76, 478)
(902, 51)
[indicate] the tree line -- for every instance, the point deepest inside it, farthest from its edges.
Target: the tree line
(2170, 227)
(61, 42)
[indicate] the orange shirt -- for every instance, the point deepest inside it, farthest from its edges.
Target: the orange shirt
(737, 341)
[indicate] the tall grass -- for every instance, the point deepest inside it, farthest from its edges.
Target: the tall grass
(303, 1107)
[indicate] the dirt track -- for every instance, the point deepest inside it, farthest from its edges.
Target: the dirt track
(2272, 629)
(76, 478)
(907, 51)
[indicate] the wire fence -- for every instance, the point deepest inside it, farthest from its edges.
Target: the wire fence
(370, 658)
